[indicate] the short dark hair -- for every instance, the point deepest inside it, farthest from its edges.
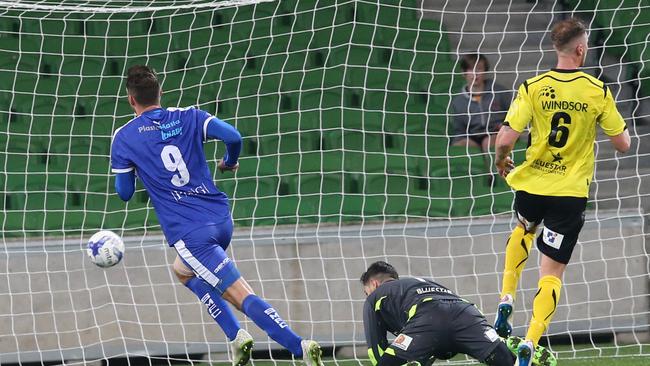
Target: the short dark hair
(142, 83)
(379, 269)
(567, 30)
(469, 60)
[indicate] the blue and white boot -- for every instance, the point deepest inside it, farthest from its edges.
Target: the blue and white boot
(503, 323)
(525, 353)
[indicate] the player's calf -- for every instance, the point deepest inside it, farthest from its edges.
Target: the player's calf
(220, 281)
(240, 294)
(210, 297)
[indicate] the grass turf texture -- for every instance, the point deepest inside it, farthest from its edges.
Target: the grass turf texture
(578, 355)
(601, 361)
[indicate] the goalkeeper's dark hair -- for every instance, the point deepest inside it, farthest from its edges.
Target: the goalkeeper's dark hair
(469, 61)
(380, 270)
(565, 31)
(142, 83)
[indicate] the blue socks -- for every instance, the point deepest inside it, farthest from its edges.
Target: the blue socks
(216, 306)
(255, 308)
(270, 321)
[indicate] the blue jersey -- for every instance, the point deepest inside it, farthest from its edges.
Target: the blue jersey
(165, 147)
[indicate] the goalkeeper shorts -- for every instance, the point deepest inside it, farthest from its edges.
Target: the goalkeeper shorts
(442, 329)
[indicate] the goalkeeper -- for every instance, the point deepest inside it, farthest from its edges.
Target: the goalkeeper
(429, 322)
(563, 107)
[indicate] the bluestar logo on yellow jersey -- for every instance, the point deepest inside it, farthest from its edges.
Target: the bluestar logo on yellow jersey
(549, 166)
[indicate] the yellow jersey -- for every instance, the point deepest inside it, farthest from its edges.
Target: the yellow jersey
(562, 108)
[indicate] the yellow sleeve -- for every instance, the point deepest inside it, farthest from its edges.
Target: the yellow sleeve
(371, 356)
(520, 112)
(610, 119)
(374, 359)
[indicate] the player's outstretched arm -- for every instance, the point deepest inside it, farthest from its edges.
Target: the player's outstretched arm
(218, 129)
(125, 185)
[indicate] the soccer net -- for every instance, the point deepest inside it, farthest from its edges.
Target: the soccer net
(348, 113)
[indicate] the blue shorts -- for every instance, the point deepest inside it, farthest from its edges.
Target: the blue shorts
(203, 251)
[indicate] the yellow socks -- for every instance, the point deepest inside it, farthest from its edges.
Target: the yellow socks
(548, 294)
(544, 305)
(517, 250)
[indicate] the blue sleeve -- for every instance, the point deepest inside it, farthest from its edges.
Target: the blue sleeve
(218, 129)
(125, 185)
(120, 161)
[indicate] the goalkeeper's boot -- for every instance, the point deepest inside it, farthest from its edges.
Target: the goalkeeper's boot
(242, 347)
(503, 324)
(541, 357)
(311, 353)
(525, 354)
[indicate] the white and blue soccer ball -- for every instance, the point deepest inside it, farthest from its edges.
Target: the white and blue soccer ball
(105, 248)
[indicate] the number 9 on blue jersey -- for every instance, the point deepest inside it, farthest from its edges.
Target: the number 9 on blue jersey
(173, 160)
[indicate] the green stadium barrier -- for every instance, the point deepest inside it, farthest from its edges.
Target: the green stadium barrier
(325, 119)
(383, 184)
(315, 183)
(26, 44)
(273, 210)
(289, 142)
(363, 121)
(423, 145)
(352, 140)
(251, 84)
(419, 124)
(348, 207)
(357, 162)
(371, 78)
(466, 160)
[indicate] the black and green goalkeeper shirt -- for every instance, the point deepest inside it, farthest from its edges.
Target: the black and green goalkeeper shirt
(391, 305)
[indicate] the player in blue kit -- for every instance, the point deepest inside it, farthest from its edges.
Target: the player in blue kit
(164, 147)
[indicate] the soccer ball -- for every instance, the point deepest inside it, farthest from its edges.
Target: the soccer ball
(105, 248)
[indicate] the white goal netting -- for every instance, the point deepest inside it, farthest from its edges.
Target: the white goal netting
(347, 109)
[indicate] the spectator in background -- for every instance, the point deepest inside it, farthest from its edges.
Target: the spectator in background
(480, 108)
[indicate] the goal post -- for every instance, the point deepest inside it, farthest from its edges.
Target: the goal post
(347, 116)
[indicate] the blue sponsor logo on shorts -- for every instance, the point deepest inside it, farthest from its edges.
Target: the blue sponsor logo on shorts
(550, 236)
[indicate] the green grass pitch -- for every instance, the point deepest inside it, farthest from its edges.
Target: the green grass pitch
(601, 354)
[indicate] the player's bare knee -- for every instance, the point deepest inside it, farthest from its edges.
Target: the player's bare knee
(550, 267)
(182, 278)
(182, 272)
(529, 227)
